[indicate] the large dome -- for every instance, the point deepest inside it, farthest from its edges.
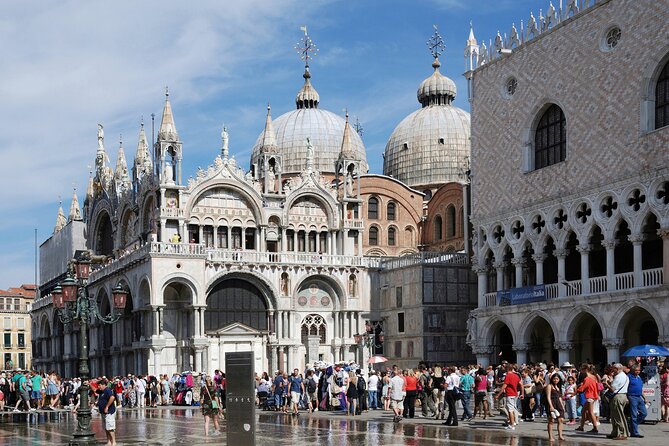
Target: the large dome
(431, 146)
(324, 129)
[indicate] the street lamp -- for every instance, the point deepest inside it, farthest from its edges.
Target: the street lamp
(368, 339)
(73, 304)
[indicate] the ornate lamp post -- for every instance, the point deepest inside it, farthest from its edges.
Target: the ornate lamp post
(368, 339)
(71, 300)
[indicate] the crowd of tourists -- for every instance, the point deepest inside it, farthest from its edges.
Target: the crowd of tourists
(565, 395)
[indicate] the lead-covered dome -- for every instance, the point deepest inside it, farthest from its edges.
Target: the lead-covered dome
(325, 130)
(431, 146)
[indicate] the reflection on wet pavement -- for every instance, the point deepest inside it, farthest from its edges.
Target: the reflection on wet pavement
(185, 427)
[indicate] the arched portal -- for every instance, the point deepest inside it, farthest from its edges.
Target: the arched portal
(235, 300)
(586, 338)
(177, 327)
(502, 343)
(638, 327)
(541, 341)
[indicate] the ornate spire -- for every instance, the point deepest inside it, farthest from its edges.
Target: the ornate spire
(347, 151)
(471, 40)
(168, 130)
(90, 189)
(121, 177)
(268, 137)
(143, 164)
(310, 156)
(75, 210)
(307, 97)
(60, 218)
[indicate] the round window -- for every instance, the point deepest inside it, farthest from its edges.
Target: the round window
(510, 87)
(611, 39)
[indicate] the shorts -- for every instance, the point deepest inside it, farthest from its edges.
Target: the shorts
(36, 395)
(24, 395)
(110, 421)
(397, 404)
(312, 396)
(295, 397)
(511, 403)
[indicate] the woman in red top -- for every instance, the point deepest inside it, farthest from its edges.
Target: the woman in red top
(589, 389)
(410, 399)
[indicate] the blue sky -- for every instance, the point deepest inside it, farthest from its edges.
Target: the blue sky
(68, 65)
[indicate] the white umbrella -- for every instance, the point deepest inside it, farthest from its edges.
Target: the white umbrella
(376, 360)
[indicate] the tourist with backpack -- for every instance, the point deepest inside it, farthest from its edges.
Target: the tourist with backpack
(362, 394)
(312, 391)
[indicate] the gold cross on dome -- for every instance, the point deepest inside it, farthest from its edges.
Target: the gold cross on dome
(306, 47)
(436, 43)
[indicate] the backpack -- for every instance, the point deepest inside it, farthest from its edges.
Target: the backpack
(311, 385)
(362, 385)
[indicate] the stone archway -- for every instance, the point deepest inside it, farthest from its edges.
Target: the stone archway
(638, 327)
(501, 341)
(177, 327)
(586, 339)
(540, 339)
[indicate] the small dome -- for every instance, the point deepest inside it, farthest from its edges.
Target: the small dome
(431, 146)
(307, 97)
(436, 89)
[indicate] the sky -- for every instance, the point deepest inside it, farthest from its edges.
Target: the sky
(66, 66)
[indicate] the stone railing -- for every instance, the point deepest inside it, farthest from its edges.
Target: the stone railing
(285, 258)
(125, 259)
(598, 285)
(424, 258)
(171, 212)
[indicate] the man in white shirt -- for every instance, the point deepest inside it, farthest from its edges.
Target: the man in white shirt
(372, 389)
(619, 429)
(452, 381)
(140, 388)
(397, 393)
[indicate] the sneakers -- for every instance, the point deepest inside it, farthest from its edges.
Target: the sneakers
(32, 409)
(510, 428)
(16, 410)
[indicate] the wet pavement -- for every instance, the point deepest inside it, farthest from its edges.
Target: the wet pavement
(185, 426)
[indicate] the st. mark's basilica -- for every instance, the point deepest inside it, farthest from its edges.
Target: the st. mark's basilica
(541, 235)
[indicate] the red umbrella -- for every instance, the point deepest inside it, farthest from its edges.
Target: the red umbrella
(377, 360)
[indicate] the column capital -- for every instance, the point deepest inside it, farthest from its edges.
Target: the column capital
(563, 345)
(663, 341)
(520, 347)
(612, 343)
(479, 349)
(584, 249)
(501, 264)
(609, 244)
(636, 239)
(480, 269)
(663, 233)
(561, 253)
(539, 258)
(519, 261)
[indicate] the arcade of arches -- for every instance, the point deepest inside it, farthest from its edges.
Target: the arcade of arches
(580, 338)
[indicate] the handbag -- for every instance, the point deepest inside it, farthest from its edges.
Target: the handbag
(214, 403)
(334, 401)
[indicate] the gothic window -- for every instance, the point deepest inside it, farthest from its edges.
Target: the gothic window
(391, 211)
(236, 238)
(437, 227)
(450, 221)
(373, 209)
(373, 236)
(662, 98)
(314, 325)
(550, 138)
(391, 236)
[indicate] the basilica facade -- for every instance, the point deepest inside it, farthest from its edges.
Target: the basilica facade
(570, 174)
(282, 258)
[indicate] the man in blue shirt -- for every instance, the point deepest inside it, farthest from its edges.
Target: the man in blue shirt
(466, 385)
(277, 387)
(107, 407)
(296, 391)
(637, 401)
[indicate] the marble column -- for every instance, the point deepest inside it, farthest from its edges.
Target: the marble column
(521, 352)
(561, 255)
(584, 250)
(612, 349)
(157, 367)
(539, 267)
(564, 351)
(664, 234)
(638, 272)
(482, 275)
(610, 246)
(499, 269)
(519, 263)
